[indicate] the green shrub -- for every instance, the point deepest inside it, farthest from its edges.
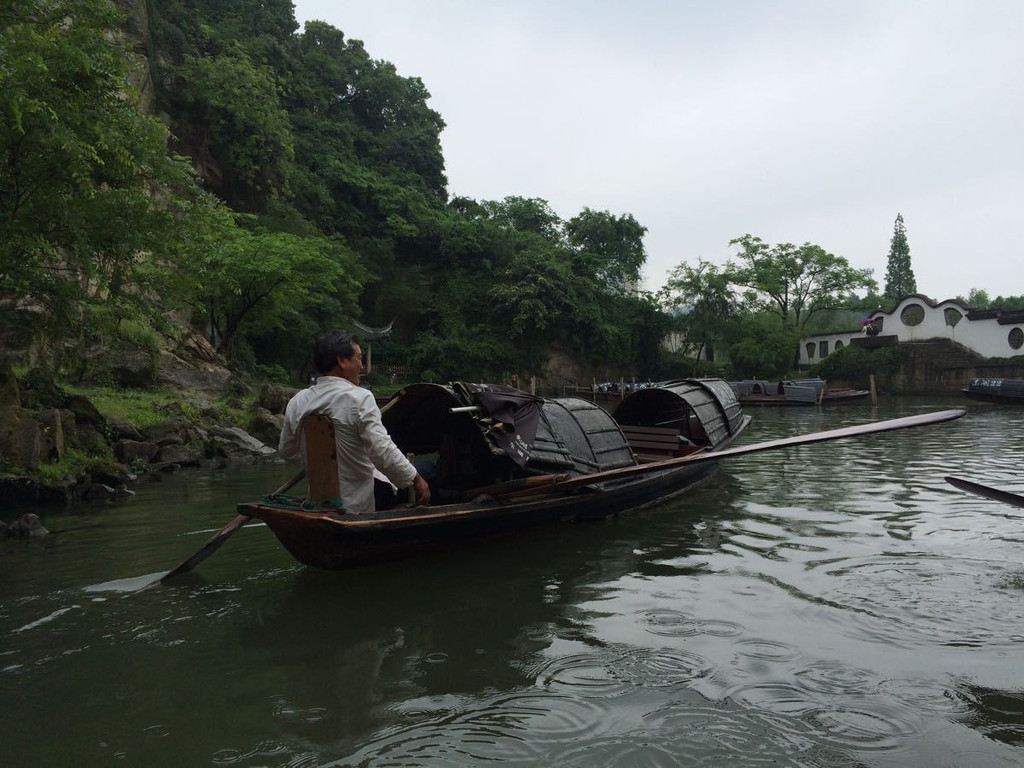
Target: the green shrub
(273, 373)
(856, 361)
(139, 407)
(139, 333)
(74, 464)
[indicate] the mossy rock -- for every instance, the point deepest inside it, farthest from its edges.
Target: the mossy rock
(10, 392)
(40, 390)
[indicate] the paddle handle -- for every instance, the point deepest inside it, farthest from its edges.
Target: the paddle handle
(219, 538)
(986, 491)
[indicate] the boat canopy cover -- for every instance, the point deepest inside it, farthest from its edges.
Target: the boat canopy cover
(578, 437)
(697, 407)
(419, 417)
(566, 435)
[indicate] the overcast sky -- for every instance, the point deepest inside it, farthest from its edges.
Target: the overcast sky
(793, 121)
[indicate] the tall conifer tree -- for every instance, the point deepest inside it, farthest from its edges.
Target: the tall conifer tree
(899, 277)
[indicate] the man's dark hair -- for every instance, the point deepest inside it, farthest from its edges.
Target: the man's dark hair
(330, 347)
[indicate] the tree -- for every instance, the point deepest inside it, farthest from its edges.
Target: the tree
(899, 277)
(235, 105)
(86, 185)
(607, 247)
(978, 298)
(700, 300)
(766, 349)
(243, 280)
(791, 281)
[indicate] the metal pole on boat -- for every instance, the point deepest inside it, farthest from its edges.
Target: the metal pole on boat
(466, 409)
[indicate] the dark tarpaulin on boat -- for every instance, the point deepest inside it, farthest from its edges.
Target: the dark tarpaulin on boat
(510, 416)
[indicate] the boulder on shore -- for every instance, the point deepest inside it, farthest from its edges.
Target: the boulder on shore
(28, 526)
(267, 426)
(275, 398)
(22, 438)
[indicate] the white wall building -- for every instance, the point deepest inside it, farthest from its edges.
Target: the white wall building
(989, 332)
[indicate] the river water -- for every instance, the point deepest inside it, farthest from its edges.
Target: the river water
(833, 604)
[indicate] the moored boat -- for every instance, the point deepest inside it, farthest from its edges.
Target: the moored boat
(794, 392)
(506, 460)
(997, 390)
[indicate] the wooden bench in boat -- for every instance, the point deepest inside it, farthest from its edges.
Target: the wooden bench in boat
(656, 443)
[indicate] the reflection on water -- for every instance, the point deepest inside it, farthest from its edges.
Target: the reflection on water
(834, 604)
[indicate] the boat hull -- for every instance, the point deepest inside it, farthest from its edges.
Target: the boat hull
(581, 465)
(1009, 391)
(333, 541)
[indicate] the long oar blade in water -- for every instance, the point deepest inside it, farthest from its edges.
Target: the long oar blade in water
(988, 492)
(220, 537)
(888, 425)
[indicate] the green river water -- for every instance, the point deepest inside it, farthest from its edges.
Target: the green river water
(833, 604)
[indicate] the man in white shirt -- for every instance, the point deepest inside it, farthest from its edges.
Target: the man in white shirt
(365, 451)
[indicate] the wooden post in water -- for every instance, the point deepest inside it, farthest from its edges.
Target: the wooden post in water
(821, 395)
(622, 388)
(874, 392)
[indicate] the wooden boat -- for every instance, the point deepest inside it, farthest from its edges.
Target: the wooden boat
(694, 419)
(507, 460)
(997, 390)
(793, 392)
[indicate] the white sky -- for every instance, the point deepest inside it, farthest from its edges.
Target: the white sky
(794, 120)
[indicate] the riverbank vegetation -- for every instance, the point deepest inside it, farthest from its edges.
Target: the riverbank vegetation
(304, 188)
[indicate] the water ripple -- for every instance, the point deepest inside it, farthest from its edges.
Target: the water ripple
(873, 727)
(672, 623)
(588, 675)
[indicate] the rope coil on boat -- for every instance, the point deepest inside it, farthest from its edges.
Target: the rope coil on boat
(299, 502)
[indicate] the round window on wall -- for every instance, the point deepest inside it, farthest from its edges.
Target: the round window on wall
(912, 314)
(1016, 338)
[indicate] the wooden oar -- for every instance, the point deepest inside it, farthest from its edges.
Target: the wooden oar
(1006, 497)
(220, 537)
(888, 425)
(770, 445)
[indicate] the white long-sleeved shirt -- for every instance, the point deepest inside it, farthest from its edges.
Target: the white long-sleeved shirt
(364, 447)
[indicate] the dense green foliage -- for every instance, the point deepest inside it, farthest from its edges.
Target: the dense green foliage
(86, 184)
(853, 361)
(899, 276)
(315, 195)
(793, 282)
(766, 350)
(759, 305)
(979, 299)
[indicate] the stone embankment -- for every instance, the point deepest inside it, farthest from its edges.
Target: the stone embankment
(40, 423)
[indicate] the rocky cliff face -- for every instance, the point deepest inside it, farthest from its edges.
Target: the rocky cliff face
(135, 34)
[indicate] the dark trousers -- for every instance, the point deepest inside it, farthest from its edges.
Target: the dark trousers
(384, 496)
